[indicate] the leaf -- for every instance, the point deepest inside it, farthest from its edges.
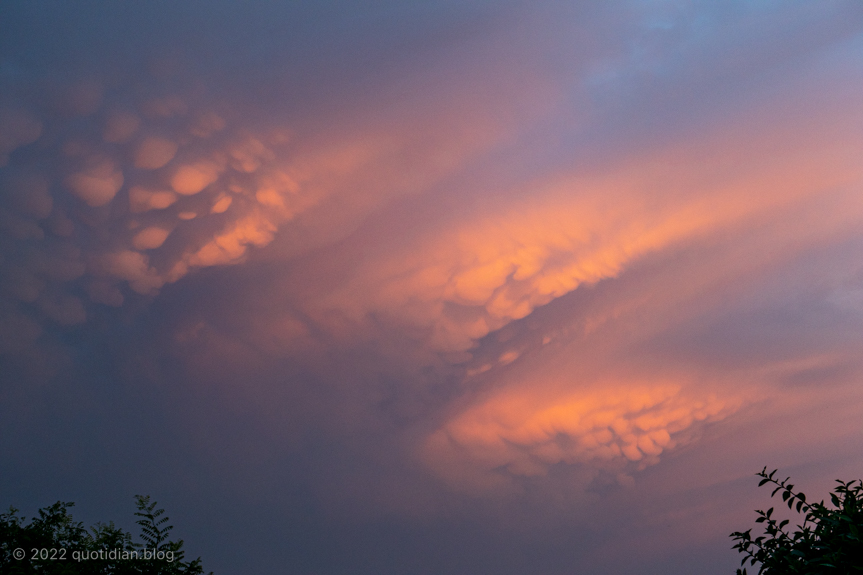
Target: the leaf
(821, 542)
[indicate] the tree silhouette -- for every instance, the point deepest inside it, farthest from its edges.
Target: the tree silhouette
(828, 542)
(54, 543)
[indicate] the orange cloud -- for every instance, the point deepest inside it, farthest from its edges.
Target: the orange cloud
(98, 183)
(131, 266)
(153, 152)
(192, 178)
(229, 246)
(473, 274)
(525, 430)
(150, 238)
(142, 199)
(507, 264)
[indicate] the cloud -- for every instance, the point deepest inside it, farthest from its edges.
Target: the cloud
(120, 126)
(141, 199)
(468, 276)
(18, 128)
(76, 194)
(488, 268)
(191, 179)
(618, 427)
(154, 152)
(142, 186)
(150, 238)
(98, 183)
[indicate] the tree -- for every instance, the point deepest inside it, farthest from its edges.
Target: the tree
(828, 542)
(54, 543)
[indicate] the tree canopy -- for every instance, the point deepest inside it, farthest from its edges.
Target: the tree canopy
(828, 542)
(54, 543)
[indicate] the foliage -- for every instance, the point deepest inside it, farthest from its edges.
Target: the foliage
(828, 542)
(54, 543)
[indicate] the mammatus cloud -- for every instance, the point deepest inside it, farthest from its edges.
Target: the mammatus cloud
(84, 216)
(19, 129)
(472, 276)
(759, 180)
(113, 193)
(614, 427)
(464, 287)
(102, 200)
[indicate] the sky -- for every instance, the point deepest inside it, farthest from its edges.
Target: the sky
(437, 287)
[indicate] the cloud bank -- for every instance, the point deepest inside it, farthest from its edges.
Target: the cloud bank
(481, 265)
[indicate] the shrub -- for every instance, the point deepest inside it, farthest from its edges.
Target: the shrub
(828, 542)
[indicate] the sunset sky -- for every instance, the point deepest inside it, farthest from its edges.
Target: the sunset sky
(452, 287)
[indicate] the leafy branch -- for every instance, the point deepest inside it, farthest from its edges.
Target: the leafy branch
(827, 542)
(152, 532)
(54, 530)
